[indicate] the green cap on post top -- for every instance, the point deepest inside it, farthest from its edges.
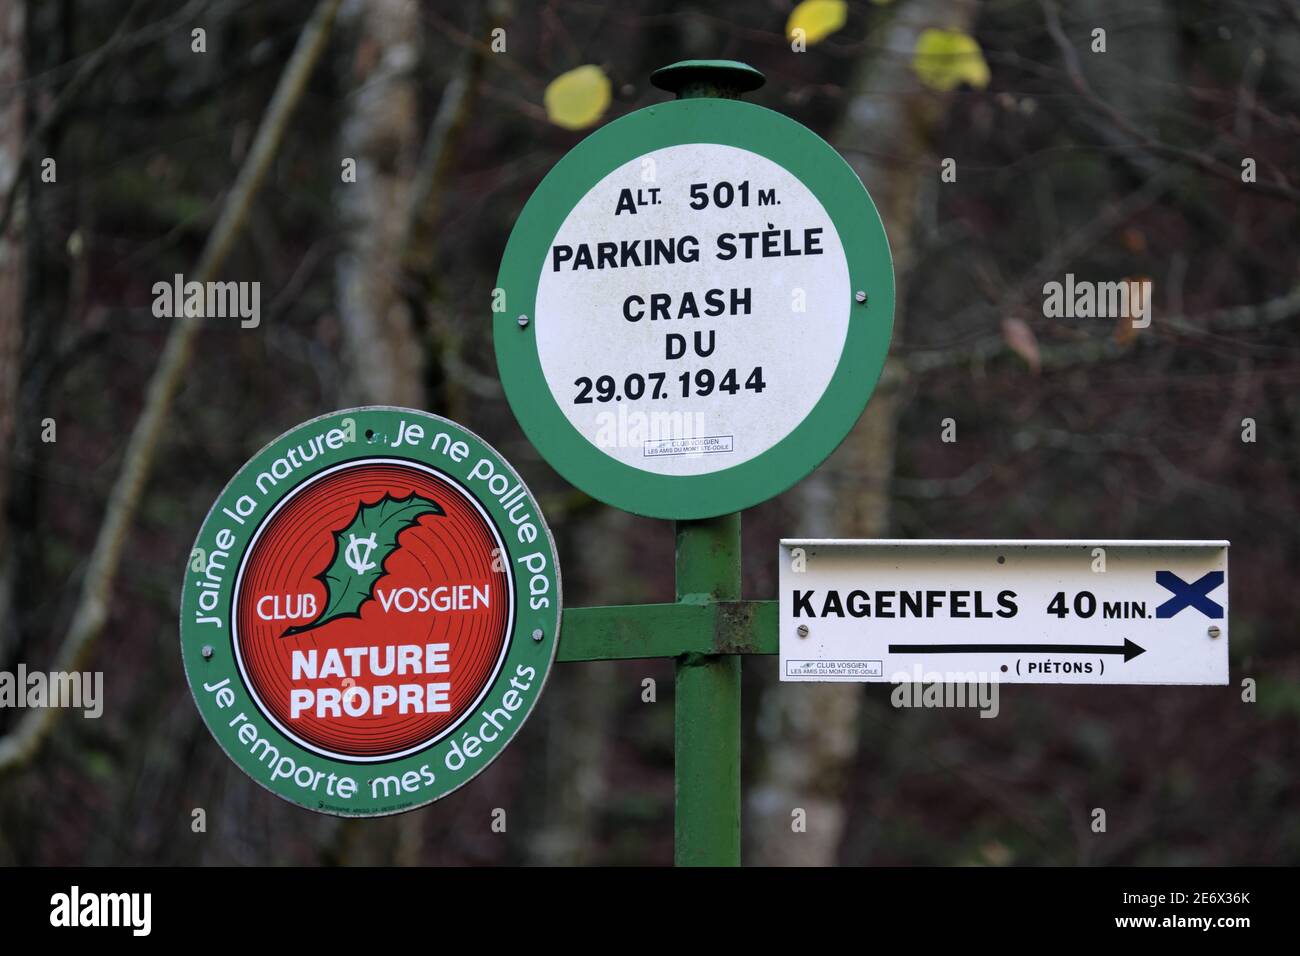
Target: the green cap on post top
(724, 78)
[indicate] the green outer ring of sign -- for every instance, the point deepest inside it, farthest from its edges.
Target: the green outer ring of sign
(825, 173)
(523, 649)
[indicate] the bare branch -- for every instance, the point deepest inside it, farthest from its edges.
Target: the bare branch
(1232, 319)
(124, 39)
(1194, 157)
(429, 181)
(91, 611)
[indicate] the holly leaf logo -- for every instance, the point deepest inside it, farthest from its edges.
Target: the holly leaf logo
(361, 551)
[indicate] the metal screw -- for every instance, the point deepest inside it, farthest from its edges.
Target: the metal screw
(537, 634)
(860, 296)
(207, 652)
(523, 321)
(802, 630)
(1214, 631)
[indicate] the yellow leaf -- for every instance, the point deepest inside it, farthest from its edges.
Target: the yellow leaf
(818, 19)
(945, 59)
(577, 99)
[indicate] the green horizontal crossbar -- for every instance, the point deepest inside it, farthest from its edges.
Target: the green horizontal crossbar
(629, 632)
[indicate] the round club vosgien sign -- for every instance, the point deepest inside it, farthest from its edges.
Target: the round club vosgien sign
(693, 308)
(370, 612)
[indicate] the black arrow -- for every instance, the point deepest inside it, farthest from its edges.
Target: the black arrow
(1128, 649)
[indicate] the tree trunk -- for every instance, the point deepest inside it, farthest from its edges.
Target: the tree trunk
(381, 133)
(809, 732)
(12, 26)
(569, 778)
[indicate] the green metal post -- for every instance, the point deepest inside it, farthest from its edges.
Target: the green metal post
(707, 706)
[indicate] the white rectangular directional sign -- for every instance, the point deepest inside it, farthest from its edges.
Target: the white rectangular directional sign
(1033, 612)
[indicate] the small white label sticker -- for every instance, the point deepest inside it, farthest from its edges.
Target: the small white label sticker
(716, 444)
(834, 670)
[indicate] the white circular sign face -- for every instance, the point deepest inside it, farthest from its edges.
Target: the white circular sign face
(692, 309)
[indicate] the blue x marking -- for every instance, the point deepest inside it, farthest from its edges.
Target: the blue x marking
(1194, 595)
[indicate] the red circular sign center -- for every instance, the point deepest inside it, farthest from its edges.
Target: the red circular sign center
(373, 610)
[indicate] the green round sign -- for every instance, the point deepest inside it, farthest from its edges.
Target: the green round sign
(693, 308)
(370, 611)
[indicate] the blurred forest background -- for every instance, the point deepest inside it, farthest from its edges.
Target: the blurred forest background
(1127, 163)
